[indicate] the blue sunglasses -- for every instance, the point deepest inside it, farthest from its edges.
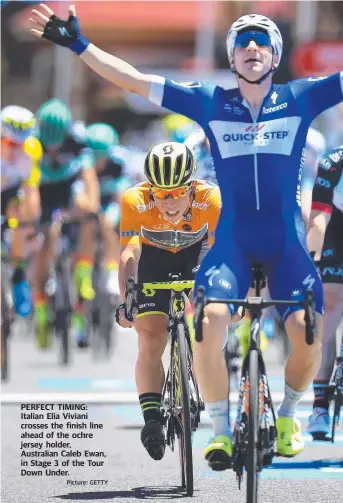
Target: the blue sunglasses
(260, 38)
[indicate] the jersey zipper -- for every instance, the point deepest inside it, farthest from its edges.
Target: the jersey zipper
(257, 192)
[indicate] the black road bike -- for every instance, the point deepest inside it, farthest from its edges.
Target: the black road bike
(336, 391)
(181, 399)
(100, 312)
(255, 427)
(7, 303)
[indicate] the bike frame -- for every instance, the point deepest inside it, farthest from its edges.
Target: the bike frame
(263, 440)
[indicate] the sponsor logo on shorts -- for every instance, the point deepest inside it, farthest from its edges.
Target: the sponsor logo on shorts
(225, 284)
(332, 271)
(328, 252)
(147, 304)
(323, 183)
(309, 281)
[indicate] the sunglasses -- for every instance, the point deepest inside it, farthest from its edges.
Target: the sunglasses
(175, 193)
(11, 143)
(259, 37)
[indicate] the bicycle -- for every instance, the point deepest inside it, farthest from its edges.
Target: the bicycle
(255, 427)
(181, 400)
(336, 391)
(60, 290)
(7, 302)
(6, 317)
(100, 312)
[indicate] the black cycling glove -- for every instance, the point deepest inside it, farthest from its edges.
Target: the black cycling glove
(133, 314)
(66, 33)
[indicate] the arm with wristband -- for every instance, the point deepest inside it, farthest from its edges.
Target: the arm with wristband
(67, 33)
(322, 203)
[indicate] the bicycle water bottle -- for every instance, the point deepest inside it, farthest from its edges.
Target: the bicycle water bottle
(22, 298)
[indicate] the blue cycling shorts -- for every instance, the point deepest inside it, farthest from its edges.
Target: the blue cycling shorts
(280, 248)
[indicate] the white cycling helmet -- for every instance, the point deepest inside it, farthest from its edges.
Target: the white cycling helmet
(254, 21)
(17, 123)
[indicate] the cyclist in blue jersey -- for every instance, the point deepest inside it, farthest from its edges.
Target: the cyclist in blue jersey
(257, 132)
(111, 169)
(68, 183)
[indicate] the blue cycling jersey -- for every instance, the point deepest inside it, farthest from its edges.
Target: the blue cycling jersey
(257, 161)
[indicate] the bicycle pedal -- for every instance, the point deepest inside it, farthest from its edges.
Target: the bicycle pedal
(268, 459)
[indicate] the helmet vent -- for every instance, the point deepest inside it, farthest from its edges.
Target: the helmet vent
(157, 170)
(167, 171)
(178, 166)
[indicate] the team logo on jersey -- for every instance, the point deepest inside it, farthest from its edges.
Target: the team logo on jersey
(200, 206)
(274, 97)
(255, 135)
(187, 227)
(145, 207)
(315, 79)
(276, 136)
(173, 239)
(233, 109)
(161, 227)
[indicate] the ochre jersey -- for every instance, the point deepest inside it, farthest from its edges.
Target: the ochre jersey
(141, 222)
(20, 165)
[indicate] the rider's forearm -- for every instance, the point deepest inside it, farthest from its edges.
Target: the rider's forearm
(316, 234)
(128, 266)
(116, 70)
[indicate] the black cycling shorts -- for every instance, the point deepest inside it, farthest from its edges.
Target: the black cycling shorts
(56, 196)
(7, 195)
(331, 263)
(156, 264)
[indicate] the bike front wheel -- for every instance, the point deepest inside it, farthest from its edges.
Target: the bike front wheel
(253, 424)
(185, 439)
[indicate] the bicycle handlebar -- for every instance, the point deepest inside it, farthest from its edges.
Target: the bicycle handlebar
(132, 287)
(257, 303)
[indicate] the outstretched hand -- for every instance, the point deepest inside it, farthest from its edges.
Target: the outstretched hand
(41, 18)
(65, 33)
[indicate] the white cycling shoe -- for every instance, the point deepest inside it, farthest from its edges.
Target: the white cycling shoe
(319, 424)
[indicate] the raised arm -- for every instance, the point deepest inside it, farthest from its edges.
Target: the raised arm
(66, 33)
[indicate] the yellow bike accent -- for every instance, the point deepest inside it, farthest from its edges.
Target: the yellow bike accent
(177, 286)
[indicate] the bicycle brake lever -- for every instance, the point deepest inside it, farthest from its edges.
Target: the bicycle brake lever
(130, 298)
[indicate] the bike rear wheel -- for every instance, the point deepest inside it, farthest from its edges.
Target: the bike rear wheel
(185, 439)
(336, 413)
(253, 432)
